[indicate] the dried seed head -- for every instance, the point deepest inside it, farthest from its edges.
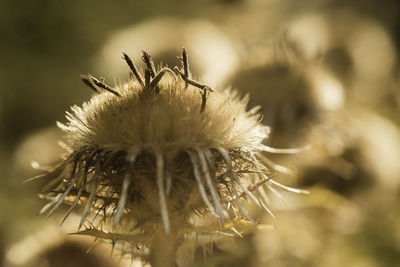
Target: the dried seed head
(285, 92)
(152, 153)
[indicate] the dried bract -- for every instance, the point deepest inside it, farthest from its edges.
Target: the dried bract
(151, 154)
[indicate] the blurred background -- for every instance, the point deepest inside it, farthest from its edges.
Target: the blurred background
(326, 73)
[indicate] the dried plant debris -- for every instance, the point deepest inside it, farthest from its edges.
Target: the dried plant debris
(162, 153)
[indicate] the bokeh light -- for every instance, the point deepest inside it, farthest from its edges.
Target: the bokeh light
(325, 73)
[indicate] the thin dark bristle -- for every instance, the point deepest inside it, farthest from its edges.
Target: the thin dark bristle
(77, 198)
(149, 62)
(73, 180)
(86, 80)
(251, 187)
(81, 185)
(159, 75)
(58, 203)
(185, 63)
(228, 163)
(92, 194)
(203, 87)
(203, 101)
(104, 205)
(103, 85)
(133, 69)
(192, 82)
(147, 77)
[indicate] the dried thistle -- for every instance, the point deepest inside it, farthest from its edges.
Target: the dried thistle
(148, 157)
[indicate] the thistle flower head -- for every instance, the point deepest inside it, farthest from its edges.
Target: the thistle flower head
(149, 154)
(167, 121)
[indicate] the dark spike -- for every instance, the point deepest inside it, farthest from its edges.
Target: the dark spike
(72, 180)
(92, 195)
(86, 80)
(228, 163)
(133, 69)
(192, 82)
(147, 77)
(158, 77)
(185, 63)
(103, 85)
(149, 62)
(203, 101)
(81, 185)
(65, 193)
(185, 77)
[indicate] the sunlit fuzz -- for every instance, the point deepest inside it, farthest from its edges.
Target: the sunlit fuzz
(150, 154)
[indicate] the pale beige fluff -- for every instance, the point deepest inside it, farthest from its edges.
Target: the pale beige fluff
(170, 120)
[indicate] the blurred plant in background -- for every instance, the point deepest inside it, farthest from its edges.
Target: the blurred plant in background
(326, 73)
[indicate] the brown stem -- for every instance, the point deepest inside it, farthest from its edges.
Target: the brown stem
(163, 250)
